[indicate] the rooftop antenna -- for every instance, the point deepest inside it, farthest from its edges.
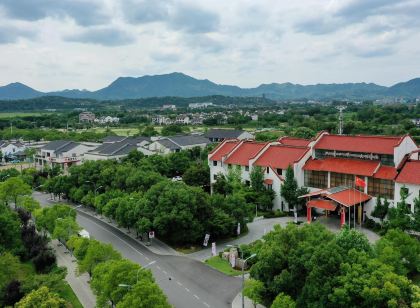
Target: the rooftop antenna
(340, 119)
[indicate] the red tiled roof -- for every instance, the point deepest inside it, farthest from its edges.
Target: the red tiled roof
(322, 204)
(268, 181)
(386, 173)
(410, 173)
(360, 144)
(223, 149)
(244, 153)
(343, 165)
(294, 141)
(280, 156)
(349, 197)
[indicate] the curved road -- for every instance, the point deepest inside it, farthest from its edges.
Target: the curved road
(186, 282)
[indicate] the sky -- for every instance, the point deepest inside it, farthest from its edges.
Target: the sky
(86, 44)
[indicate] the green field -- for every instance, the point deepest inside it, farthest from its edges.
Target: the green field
(6, 115)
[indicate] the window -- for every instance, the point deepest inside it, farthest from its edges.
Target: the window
(229, 166)
(316, 179)
(379, 187)
(214, 162)
(343, 179)
(279, 171)
(268, 169)
(248, 183)
(215, 177)
(270, 186)
(246, 168)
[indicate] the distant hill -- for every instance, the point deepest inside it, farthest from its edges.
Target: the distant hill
(181, 85)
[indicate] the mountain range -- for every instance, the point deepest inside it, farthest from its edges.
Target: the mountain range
(181, 85)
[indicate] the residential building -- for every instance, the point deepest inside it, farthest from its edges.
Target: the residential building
(183, 120)
(107, 120)
(169, 107)
(116, 147)
(172, 144)
(200, 105)
(384, 164)
(218, 135)
(86, 116)
(11, 148)
(62, 153)
(161, 120)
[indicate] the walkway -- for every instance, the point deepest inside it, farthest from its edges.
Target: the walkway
(79, 284)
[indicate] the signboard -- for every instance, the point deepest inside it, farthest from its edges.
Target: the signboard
(213, 249)
(206, 240)
(151, 234)
(238, 231)
(232, 259)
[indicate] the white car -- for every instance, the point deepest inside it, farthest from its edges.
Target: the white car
(176, 178)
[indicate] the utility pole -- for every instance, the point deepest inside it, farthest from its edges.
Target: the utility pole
(340, 119)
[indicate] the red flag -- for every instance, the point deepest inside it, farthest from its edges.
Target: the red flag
(359, 182)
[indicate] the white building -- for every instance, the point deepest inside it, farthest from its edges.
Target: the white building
(107, 120)
(62, 153)
(166, 145)
(169, 107)
(9, 148)
(200, 105)
(330, 162)
(86, 116)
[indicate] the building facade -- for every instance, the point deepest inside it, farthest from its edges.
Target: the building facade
(327, 161)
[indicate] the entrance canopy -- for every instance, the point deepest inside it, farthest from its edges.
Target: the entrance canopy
(322, 204)
(343, 195)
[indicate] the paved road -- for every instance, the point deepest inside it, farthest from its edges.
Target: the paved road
(192, 284)
(79, 284)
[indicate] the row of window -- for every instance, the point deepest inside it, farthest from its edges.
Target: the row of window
(376, 187)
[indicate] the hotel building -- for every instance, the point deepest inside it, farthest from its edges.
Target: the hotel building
(327, 165)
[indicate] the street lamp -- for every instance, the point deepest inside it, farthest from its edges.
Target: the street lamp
(243, 277)
(143, 268)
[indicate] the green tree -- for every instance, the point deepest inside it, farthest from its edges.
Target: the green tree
(254, 291)
(148, 131)
(399, 216)
(107, 276)
(222, 186)
(283, 301)
(381, 209)
(41, 298)
(416, 215)
(65, 228)
(79, 245)
(9, 269)
(257, 179)
(96, 253)
(13, 188)
(197, 175)
(10, 231)
(29, 203)
(144, 294)
(289, 189)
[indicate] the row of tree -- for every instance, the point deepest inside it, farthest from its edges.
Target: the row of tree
(310, 266)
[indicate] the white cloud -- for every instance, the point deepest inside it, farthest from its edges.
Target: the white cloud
(87, 44)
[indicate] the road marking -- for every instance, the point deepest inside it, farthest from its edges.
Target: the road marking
(205, 304)
(180, 284)
(165, 272)
(158, 267)
(147, 258)
(186, 289)
(196, 297)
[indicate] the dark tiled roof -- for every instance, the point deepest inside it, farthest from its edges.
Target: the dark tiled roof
(189, 140)
(60, 146)
(167, 143)
(224, 133)
(112, 139)
(117, 148)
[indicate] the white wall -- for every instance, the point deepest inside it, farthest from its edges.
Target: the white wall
(405, 147)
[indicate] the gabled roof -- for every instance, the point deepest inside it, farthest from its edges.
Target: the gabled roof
(410, 173)
(60, 146)
(343, 165)
(224, 133)
(385, 173)
(112, 139)
(280, 156)
(294, 141)
(169, 144)
(244, 152)
(223, 149)
(188, 140)
(114, 149)
(359, 144)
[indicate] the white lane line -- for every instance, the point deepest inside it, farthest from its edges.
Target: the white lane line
(205, 304)
(165, 272)
(147, 258)
(178, 283)
(117, 237)
(158, 267)
(196, 297)
(186, 289)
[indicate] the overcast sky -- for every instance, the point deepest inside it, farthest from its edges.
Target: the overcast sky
(86, 44)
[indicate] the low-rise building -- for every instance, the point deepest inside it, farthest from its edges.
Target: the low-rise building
(116, 147)
(218, 135)
(62, 153)
(86, 117)
(384, 163)
(11, 148)
(200, 105)
(172, 144)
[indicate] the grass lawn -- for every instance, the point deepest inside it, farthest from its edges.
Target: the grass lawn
(222, 266)
(66, 292)
(20, 114)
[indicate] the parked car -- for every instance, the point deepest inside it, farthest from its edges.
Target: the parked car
(176, 178)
